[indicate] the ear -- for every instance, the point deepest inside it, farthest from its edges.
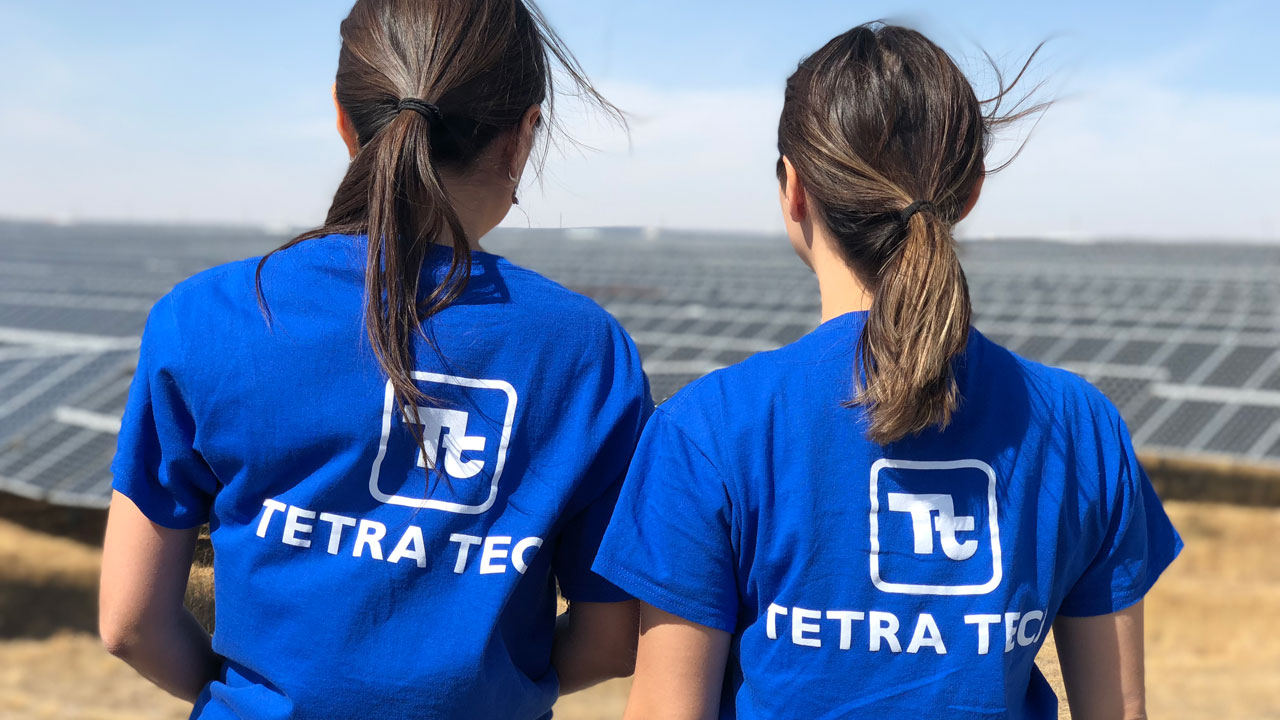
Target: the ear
(973, 195)
(523, 141)
(345, 127)
(795, 201)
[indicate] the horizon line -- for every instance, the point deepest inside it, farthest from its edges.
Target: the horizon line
(286, 229)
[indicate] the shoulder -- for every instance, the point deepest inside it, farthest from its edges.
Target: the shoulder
(212, 281)
(193, 296)
(580, 352)
(571, 314)
(758, 378)
(723, 408)
(304, 272)
(736, 383)
(221, 303)
(538, 288)
(279, 264)
(1062, 396)
(191, 317)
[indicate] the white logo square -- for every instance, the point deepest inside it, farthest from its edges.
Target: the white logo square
(447, 429)
(934, 513)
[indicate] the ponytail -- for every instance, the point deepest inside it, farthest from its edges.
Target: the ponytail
(408, 210)
(917, 325)
(393, 193)
(426, 86)
(888, 138)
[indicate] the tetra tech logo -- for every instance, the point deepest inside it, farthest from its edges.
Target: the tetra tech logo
(466, 442)
(934, 527)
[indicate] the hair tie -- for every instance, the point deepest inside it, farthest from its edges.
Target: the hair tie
(909, 211)
(430, 111)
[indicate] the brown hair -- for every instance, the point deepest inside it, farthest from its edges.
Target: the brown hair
(482, 64)
(888, 138)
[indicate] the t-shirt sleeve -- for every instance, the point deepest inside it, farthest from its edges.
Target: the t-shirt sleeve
(625, 409)
(670, 541)
(156, 464)
(576, 550)
(1138, 541)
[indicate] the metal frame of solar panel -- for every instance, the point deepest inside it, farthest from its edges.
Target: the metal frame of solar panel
(1185, 339)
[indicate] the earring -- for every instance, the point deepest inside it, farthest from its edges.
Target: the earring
(514, 200)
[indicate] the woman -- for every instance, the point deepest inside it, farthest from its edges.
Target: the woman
(884, 518)
(401, 443)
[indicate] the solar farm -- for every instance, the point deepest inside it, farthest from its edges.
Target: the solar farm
(1185, 338)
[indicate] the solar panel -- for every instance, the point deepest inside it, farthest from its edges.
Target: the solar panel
(1185, 339)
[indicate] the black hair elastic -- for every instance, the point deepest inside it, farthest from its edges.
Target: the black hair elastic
(909, 211)
(430, 111)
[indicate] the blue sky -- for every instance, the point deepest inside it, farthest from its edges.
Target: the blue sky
(1167, 125)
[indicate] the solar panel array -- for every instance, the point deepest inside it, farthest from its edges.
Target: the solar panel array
(1185, 339)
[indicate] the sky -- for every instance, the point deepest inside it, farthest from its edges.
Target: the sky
(1165, 125)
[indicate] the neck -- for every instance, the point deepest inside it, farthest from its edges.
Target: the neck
(841, 290)
(479, 207)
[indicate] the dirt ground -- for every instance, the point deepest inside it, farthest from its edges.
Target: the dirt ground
(1213, 627)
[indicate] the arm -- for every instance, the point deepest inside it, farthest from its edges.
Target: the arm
(1101, 660)
(594, 642)
(679, 668)
(141, 616)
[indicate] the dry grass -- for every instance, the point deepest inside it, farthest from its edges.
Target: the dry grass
(1213, 632)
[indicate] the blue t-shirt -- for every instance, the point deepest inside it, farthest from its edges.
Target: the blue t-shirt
(916, 579)
(343, 588)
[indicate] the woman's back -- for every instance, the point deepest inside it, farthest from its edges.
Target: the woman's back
(883, 518)
(868, 580)
(342, 580)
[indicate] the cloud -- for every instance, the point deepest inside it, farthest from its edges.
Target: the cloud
(1122, 156)
(1129, 158)
(693, 159)
(96, 136)
(83, 175)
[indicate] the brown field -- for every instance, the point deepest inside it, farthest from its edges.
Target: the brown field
(1213, 625)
